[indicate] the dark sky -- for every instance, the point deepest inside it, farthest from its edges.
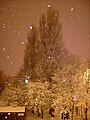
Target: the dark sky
(17, 15)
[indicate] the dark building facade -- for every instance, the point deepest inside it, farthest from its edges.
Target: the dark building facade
(12, 113)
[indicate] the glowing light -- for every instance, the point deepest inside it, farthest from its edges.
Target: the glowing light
(8, 113)
(5, 117)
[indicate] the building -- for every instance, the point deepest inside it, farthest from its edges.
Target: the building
(12, 113)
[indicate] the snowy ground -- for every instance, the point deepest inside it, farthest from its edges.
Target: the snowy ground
(37, 118)
(34, 117)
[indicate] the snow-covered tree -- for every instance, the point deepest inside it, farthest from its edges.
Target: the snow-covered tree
(45, 50)
(39, 95)
(50, 31)
(30, 52)
(14, 96)
(68, 81)
(85, 96)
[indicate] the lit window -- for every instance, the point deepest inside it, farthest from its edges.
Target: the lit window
(5, 117)
(8, 113)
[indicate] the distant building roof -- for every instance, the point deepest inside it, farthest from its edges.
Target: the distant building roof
(12, 109)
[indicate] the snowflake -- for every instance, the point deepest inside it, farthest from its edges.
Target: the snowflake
(26, 81)
(49, 6)
(4, 49)
(3, 25)
(30, 27)
(88, 36)
(28, 77)
(11, 62)
(72, 9)
(19, 33)
(13, 15)
(8, 57)
(22, 43)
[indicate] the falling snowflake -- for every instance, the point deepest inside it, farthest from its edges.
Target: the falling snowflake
(49, 6)
(4, 49)
(26, 81)
(8, 57)
(30, 27)
(22, 43)
(72, 9)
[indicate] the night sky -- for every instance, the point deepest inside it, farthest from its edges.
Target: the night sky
(17, 15)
